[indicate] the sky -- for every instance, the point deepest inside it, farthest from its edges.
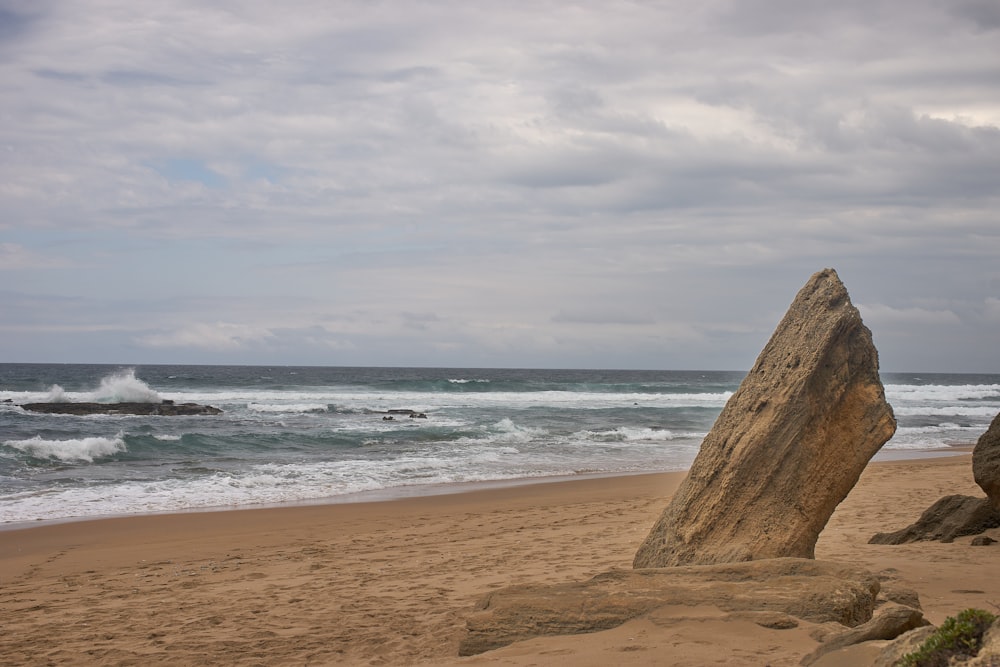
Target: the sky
(593, 184)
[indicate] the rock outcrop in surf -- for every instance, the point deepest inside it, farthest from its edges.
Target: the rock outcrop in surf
(163, 408)
(789, 445)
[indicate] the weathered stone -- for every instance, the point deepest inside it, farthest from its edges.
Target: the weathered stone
(889, 622)
(811, 590)
(772, 620)
(986, 462)
(948, 518)
(892, 592)
(166, 408)
(908, 642)
(982, 541)
(789, 444)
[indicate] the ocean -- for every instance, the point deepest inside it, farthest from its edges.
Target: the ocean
(317, 434)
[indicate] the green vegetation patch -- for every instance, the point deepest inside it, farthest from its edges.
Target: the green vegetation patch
(960, 635)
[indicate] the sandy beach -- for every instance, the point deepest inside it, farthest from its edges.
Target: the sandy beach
(391, 583)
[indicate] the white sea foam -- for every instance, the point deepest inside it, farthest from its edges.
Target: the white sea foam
(264, 484)
(943, 393)
(946, 411)
(507, 431)
(424, 401)
(934, 436)
(83, 449)
(632, 434)
(287, 407)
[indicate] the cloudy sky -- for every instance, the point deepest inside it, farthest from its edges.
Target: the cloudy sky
(593, 184)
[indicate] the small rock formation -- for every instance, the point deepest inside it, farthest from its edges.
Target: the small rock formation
(911, 641)
(788, 446)
(986, 462)
(908, 642)
(810, 590)
(889, 622)
(166, 408)
(957, 516)
(948, 518)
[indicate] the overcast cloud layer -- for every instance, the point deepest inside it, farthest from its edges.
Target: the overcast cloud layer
(589, 184)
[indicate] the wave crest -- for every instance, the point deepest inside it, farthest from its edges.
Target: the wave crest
(83, 449)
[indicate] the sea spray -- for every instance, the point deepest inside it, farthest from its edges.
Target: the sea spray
(56, 395)
(124, 387)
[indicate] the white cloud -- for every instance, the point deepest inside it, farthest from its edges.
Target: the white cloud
(881, 314)
(15, 257)
(991, 309)
(212, 336)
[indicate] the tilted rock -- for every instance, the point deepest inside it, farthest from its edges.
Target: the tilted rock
(811, 590)
(986, 462)
(789, 445)
(948, 518)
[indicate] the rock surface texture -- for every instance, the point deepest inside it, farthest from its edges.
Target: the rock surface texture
(986, 462)
(789, 445)
(889, 622)
(166, 409)
(811, 590)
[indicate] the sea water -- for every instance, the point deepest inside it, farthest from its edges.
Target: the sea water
(310, 434)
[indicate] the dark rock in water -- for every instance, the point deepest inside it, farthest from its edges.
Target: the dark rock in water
(789, 444)
(948, 518)
(166, 408)
(986, 462)
(982, 541)
(811, 590)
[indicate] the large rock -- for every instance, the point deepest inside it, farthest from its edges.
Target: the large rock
(948, 518)
(811, 590)
(788, 446)
(986, 462)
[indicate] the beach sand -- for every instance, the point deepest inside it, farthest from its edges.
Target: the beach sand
(391, 583)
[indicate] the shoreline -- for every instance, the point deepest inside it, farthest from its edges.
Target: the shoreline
(393, 582)
(446, 489)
